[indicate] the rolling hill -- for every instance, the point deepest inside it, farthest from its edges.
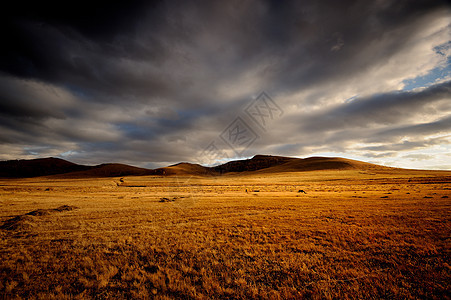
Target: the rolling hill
(258, 163)
(322, 163)
(255, 163)
(55, 166)
(185, 169)
(38, 167)
(110, 170)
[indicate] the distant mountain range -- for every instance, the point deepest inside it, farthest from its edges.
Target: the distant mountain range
(259, 163)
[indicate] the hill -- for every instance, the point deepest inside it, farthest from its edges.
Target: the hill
(109, 170)
(269, 164)
(185, 169)
(322, 163)
(258, 163)
(37, 167)
(62, 168)
(278, 164)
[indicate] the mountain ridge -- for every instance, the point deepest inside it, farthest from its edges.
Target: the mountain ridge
(52, 166)
(23, 168)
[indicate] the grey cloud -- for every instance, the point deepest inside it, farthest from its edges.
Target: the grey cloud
(418, 156)
(128, 81)
(212, 42)
(406, 145)
(383, 109)
(388, 119)
(32, 100)
(440, 126)
(381, 155)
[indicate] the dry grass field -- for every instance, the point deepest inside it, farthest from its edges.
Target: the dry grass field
(352, 234)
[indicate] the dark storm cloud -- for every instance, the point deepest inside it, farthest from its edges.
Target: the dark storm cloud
(440, 126)
(384, 118)
(98, 49)
(153, 81)
(28, 101)
(397, 121)
(335, 40)
(383, 109)
(404, 146)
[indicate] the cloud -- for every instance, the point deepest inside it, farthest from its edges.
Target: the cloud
(148, 83)
(418, 156)
(382, 109)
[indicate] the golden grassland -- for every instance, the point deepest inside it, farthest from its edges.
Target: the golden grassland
(353, 234)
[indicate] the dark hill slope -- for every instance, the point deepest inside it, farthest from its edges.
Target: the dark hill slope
(255, 163)
(37, 167)
(259, 163)
(109, 170)
(185, 169)
(65, 169)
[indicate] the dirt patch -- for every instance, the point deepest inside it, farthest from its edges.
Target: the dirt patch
(65, 208)
(171, 199)
(23, 222)
(45, 212)
(39, 212)
(165, 199)
(27, 221)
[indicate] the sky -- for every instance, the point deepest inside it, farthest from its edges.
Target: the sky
(155, 83)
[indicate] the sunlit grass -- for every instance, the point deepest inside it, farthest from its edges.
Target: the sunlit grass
(339, 240)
